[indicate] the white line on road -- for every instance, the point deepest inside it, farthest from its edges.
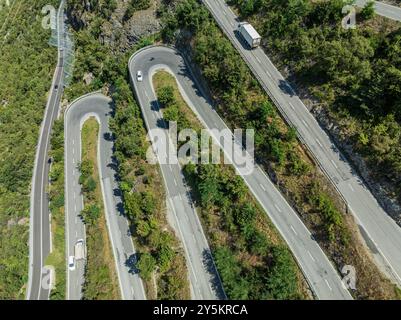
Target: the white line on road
(258, 60)
(306, 125)
(313, 259)
(319, 143)
(292, 106)
(350, 186)
(328, 284)
(334, 164)
(175, 182)
(277, 207)
(293, 230)
(263, 188)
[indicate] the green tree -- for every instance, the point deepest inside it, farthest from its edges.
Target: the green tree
(146, 265)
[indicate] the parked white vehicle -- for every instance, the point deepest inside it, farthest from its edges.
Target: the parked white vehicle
(79, 250)
(139, 76)
(71, 263)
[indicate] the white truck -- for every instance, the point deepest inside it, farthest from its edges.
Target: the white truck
(79, 250)
(250, 35)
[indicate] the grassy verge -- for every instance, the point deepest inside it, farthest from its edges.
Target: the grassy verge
(57, 256)
(251, 257)
(100, 275)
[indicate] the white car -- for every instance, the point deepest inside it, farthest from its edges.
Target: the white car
(71, 263)
(139, 76)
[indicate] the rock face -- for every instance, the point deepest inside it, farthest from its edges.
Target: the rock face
(380, 189)
(117, 33)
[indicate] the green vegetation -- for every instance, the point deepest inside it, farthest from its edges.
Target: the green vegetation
(140, 182)
(135, 5)
(355, 74)
(161, 258)
(243, 104)
(368, 12)
(100, 274)
(252, 260)
(27, 65)
(56, 195)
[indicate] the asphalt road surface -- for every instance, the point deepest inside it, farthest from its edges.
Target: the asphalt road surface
(100, 107)
(320, 273)
(383, 9)
(379, 230)
(204, 279)
(39, 235)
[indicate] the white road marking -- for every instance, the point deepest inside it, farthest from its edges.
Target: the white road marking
(313, 259)
(328, 284)
(277, 207)
(175, 182)
(263, 188)
(293, 230)
(334, 164)
(350, 186)
(306, 125)
(319, 143)
(258, 60)
(292, 106)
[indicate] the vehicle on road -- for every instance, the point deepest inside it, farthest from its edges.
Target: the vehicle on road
(71, 263)
(79, 250)
(139, 76)
(250, 35)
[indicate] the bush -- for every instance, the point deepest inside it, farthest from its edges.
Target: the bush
(146, 265)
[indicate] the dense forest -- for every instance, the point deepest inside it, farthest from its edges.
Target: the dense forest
(355, 74)
(27, 64)
(243, 104)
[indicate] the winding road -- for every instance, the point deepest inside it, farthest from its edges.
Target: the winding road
(381, 233)
(383, 9)
(40, 277)
(319, 272)
(100, 107)
(204, 279)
